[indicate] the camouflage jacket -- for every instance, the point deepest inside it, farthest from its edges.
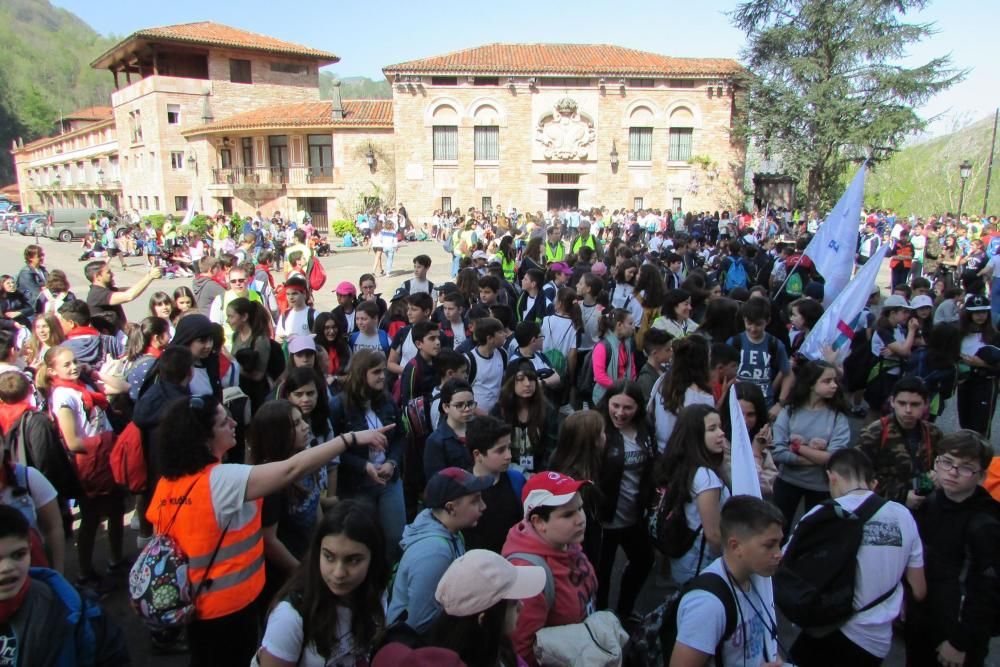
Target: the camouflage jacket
(895, 469)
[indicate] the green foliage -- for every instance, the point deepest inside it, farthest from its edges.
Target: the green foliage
(199, 225)
(923, 179)
(355, 87)
(827, 89)
(342, 227)
(157, 219)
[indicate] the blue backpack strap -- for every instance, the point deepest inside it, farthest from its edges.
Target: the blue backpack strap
(539, 561)
(516, 482)
(383, 340)
(79, 611)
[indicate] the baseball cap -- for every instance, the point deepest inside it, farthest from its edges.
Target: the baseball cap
(447, 288)
(895, 301)
(300, 343)
(346, 288)
(549, 489)
(479, 579)
(480, 254)
(977, 303)
(451, 484)
(400, 293)
(396, 654)
(922, 301)
(561, 267)
(599, 269)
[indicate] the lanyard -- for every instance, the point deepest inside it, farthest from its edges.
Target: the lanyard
(770, 624)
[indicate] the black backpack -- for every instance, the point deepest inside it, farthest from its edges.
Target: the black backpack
(651, 644)
(814, 585)
(34, 441)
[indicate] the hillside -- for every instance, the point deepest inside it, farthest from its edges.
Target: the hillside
(44, 71)
(923, 178)
(355, 87)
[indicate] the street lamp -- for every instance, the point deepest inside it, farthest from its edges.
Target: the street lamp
(964, 170)
(614, 156)
(370, 157)
(100, 177)
(192, 162)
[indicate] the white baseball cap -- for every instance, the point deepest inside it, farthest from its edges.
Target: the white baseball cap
(479, 579)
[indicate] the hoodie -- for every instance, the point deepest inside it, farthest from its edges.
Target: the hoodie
(428, 549)
(205, 290)
(575, 587)
(91, 346)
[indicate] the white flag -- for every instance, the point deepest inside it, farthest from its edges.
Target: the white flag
(746, 483)
(832, 249)
(840, 320)
(192, 204)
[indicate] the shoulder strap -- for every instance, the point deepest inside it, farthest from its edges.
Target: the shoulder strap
(871, 505)
(310, 318)
(539, 561)
(471, 356)
(720, 588)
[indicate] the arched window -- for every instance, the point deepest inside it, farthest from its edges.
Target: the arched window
(681, 134)
(640, 135)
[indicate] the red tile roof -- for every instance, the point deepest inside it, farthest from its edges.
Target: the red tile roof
(566, 59)
(357, 113)
(91, 113)
(207, 33)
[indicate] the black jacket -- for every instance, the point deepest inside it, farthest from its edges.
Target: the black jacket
(351, 477)
(957, 538)
(613, 469)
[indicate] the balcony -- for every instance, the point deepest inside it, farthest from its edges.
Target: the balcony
(271, 178)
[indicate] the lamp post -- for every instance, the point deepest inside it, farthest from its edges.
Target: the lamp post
(192, 162)
(964, 170)
(614, 156)
(100, 177)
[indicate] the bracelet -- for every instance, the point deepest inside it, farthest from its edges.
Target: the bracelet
(354, 439)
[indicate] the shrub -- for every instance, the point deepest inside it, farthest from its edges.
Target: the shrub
(157, 219)
(343, 227)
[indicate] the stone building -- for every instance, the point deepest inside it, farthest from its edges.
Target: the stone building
(543, 125)
(209, 117)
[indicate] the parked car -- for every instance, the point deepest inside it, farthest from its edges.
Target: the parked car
(74, 223)
(30, 224)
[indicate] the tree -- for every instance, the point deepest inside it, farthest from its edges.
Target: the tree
(827, 87)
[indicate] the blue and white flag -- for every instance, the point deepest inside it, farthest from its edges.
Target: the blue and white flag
(743, 469)
(840, 320)
(832, 249)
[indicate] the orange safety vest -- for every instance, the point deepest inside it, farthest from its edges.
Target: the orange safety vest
(236, 577)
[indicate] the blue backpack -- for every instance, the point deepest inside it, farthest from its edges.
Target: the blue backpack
(736, 276)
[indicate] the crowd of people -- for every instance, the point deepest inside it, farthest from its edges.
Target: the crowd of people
(450, 474)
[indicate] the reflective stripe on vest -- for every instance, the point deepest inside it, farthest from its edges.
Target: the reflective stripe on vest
(554, 254)
(236, 577)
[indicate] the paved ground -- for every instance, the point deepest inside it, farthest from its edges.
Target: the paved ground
(347, 264)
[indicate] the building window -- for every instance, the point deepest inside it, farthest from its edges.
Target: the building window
(239, 71)
(247, 145)
(176, 160)
(130, 202)
(227, 205)
(225, 158)
(677, 203)
(180, 203)
(156, 203)
(320, 156)
(487, 204)
(446, 204)
(637, 204)
(173, 114)
(680, 144)
(563, 179)
(444, 80)
(487, 142)
(277, 150)
(290, 68)
(445, 142)
(135, 126)
(486, 81)
(642, 83)
(682, 83)
(640, 144)
(563, 82)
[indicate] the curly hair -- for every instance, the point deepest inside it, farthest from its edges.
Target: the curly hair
(183, 435)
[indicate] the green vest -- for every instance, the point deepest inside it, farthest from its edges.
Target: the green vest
(555, 254)
(590, 243)
(509, 267)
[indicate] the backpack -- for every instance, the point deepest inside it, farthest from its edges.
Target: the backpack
(310, 322)
(128, 461)
(158, 586)
(315, 274)
(34, 441)
(281, 299)
(471, 356)
(736, 275)
(814, 585)
(416, 417)
(858, 361)
(275, 360)
(585, 373)
(652, 642)
(668, 528)
(794, 286)
(383, 340)
(550, 583)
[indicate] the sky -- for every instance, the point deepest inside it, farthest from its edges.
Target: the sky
(370, 35)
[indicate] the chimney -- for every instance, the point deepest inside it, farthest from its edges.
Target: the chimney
(336, 102)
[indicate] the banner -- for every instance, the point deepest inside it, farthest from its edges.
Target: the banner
(833, 247)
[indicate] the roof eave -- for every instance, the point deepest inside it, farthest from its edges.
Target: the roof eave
(107, 58)
(278, 127)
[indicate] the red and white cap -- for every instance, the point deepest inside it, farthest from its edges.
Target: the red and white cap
(549, 489)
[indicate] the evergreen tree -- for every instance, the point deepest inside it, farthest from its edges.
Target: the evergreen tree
(828, 88)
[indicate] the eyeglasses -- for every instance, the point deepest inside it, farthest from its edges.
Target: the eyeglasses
(470, 405)
(237, 280)
(943, 465)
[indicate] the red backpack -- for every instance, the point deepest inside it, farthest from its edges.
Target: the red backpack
(315, 274)
(128, 461)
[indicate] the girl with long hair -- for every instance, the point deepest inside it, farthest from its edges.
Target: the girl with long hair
(614, 356)
(183, 301)
(686, 384)
(891, 343)
(468, 285)
(55, 293)
(162, 305)
(376, 248)
(691, 471)
(330, 330)
(46, 332)
(507, 256)
(625, 278)
(250, 346)
(803, 313)
(676, 318)
(331, 611)
(647, 298)
(977, 393)
(754, 409)
(144, 346)
(372, 476)
(721, 321)
(561, 333)
(531, 258)
(289, 515)
(534, 420)
(811, 426)
(579, 452)
(625, 484)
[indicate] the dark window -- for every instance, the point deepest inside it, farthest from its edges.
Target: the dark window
(487, 204)
(563, 82)
(239, 71)
(642, 83)
(173, 114)
(444, 80)
(320, 156)
(486, 81)
(180, 203)
(227, 205)
(640, 144)
(247, 144)
(637, 204)
(278, 151)
(445, 142)
(682, 83)
(446, 204)
(680, 143)
(563, 179)
(226, 158)
(290, 68)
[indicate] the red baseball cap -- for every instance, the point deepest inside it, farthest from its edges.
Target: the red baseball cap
(549, 489)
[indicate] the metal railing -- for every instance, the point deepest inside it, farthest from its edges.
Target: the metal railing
(272, 176)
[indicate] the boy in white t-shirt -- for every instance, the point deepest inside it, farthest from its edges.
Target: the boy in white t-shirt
(368, 335)
(487, 362)
(299, 319)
